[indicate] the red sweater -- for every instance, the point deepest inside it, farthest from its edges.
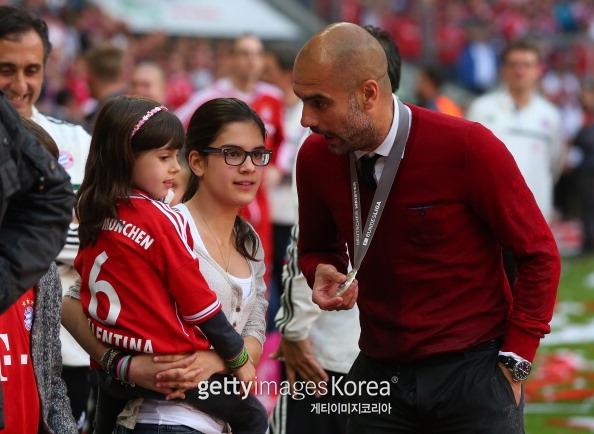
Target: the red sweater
(432, 280)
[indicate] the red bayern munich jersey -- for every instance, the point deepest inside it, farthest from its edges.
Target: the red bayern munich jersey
(141, 286)
(21, 397)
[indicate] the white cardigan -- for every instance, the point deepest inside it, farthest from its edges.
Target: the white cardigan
(247, 316)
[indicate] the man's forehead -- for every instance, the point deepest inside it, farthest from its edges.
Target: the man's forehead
(314, 88)
(28, 46)
(312, 73)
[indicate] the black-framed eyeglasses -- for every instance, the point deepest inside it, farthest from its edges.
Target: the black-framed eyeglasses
(236, 157)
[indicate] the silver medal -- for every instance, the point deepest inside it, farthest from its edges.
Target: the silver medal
(345, 285)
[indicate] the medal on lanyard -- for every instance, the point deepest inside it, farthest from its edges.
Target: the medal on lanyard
(345, 285)
(379, 199)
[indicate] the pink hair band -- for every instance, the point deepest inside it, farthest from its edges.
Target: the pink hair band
(146, 117)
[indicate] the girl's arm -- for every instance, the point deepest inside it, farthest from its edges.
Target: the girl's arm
(143, 371)
(256, 323)
(177, 374)
(170, 374)
(75, 321)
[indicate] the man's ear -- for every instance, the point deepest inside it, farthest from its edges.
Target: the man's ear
(370, 90)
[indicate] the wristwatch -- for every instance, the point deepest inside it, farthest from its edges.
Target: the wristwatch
(519, 367)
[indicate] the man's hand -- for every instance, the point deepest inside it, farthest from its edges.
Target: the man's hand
(300, 360)
(326, 283)
(515, 385)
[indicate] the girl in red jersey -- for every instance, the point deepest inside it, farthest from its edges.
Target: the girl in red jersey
(140, 283)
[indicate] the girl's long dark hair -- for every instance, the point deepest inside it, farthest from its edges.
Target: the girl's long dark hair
(206, 124)
(108, 171)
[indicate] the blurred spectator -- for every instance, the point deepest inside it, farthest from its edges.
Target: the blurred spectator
(407, 30)
(105, 68)
(565, 17)
(587, 100)
(148, 80)
(520, 19)
(179, 86)
(561, 86)
(65, 107)
(450, 37)
(477, 64)
(401, 19)
(584, 142)
(201, 64)
(527, 123)
(429, 92)
(75, 83)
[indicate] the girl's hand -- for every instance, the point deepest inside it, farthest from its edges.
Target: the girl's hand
(144, 371)
(247, 375)
(181, 374)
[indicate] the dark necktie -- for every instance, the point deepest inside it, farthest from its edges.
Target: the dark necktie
(367, 166)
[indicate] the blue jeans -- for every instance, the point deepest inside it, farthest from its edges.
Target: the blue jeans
(146, 428)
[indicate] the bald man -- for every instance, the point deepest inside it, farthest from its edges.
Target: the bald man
(444, 347)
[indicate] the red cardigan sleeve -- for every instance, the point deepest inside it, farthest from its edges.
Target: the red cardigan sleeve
(498, 192)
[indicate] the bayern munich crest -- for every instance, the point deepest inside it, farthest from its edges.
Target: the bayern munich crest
(66, 159)
(28, 316)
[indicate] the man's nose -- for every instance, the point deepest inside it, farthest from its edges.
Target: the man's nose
(18, 84)
(307, 119)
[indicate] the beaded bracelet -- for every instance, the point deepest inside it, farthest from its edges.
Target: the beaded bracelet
(108, 358)
(116, 363)
(238, 361)
(104, 357)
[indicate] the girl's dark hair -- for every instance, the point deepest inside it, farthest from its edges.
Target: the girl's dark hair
(206, 124)
(108, 172)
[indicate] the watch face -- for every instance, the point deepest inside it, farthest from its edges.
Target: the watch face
(522, 370)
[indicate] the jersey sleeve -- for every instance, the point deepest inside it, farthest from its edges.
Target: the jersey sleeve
(196, 301)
